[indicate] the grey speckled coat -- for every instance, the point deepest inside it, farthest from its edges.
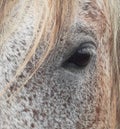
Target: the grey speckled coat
(57, 96)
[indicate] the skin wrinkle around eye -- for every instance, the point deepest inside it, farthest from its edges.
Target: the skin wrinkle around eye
(82, 33)
(80, 27)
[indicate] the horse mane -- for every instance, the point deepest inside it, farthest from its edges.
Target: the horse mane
(2, 9)
(118, 61)
(115, 53)
(5, 8)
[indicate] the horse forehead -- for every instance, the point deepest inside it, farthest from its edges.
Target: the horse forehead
(99, 3)
(93, 14)
(95, 8)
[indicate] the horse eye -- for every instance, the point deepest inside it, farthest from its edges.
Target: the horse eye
(81, 57)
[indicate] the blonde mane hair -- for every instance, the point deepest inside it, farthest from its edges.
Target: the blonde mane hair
(5, 8)
(115, 20)
(59, 11)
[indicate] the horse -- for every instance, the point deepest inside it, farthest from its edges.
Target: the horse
(59, 64)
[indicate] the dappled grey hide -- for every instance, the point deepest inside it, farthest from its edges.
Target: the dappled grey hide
(71, 89)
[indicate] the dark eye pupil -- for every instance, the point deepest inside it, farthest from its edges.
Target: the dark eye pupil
(81, 59)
